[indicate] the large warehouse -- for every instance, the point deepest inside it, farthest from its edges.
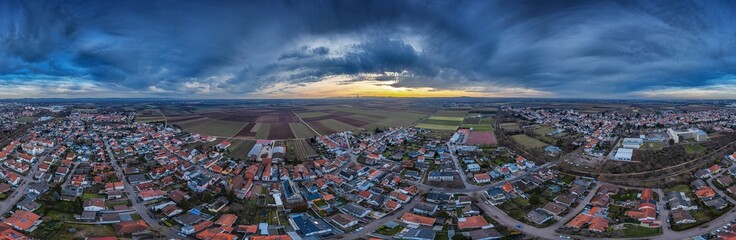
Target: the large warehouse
(623, 154)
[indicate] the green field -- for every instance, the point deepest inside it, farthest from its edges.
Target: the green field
(437, 127)
(301, 130)
(445, 122)
(652, 146)
(452, 113)
(486, 124)
(679, 188)
(694, 148)
(442, 122)
(542, 130)
(509, 127)
(217, 128)
(26, 119)
(336, 125)
(395, 119)
(528, 142)
(441, 118)
(634, 231)
(263, 131)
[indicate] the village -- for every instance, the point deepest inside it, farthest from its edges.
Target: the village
(105, 174)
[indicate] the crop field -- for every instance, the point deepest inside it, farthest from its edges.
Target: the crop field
(528, 142)
(240, 148)
(301, 130)
(479, 123)
(240, 121)
(451, 113)
(444, 120)
(301, 149)
(216, 127)
(484, 110)
(330, 119)
(263, 131)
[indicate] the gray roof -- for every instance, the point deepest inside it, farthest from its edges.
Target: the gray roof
(538, 216)
(416, 233)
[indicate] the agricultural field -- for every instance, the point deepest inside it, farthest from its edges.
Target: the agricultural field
(444, 120)
(482, 138)
(240, 148)
(510, 127)
(216, 128)
(330, 119)
(437, 127)
(451, 113)
(263, 131)
(528, 142)
(240, 121)
(301, 130)
(300, 149)
(478, 123)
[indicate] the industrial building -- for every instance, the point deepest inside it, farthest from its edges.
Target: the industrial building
(692, 133)
(623, 154)
(633, 143)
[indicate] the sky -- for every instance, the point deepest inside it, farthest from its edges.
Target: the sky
(317, 49)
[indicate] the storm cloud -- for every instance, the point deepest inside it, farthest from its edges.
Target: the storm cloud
(589, 49)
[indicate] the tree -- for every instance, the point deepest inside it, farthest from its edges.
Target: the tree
(672, 141)
(377, 130)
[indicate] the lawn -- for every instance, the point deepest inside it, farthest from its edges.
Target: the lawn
(88, 196)
(694, 149)
(301, 130)
(679, 188)
(85, 231)
(528, 142)
(635, 231)
(626, 194)
(389, 231)
(702, 216)
(652, 146)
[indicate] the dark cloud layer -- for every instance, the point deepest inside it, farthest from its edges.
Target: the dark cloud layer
(241, 48)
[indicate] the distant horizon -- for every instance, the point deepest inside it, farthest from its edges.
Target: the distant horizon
(367, 97)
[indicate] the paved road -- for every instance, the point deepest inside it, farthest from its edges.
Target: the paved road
(20, 191)
(305, 123)
(375, 224)
(463, 175)
(132, 196)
